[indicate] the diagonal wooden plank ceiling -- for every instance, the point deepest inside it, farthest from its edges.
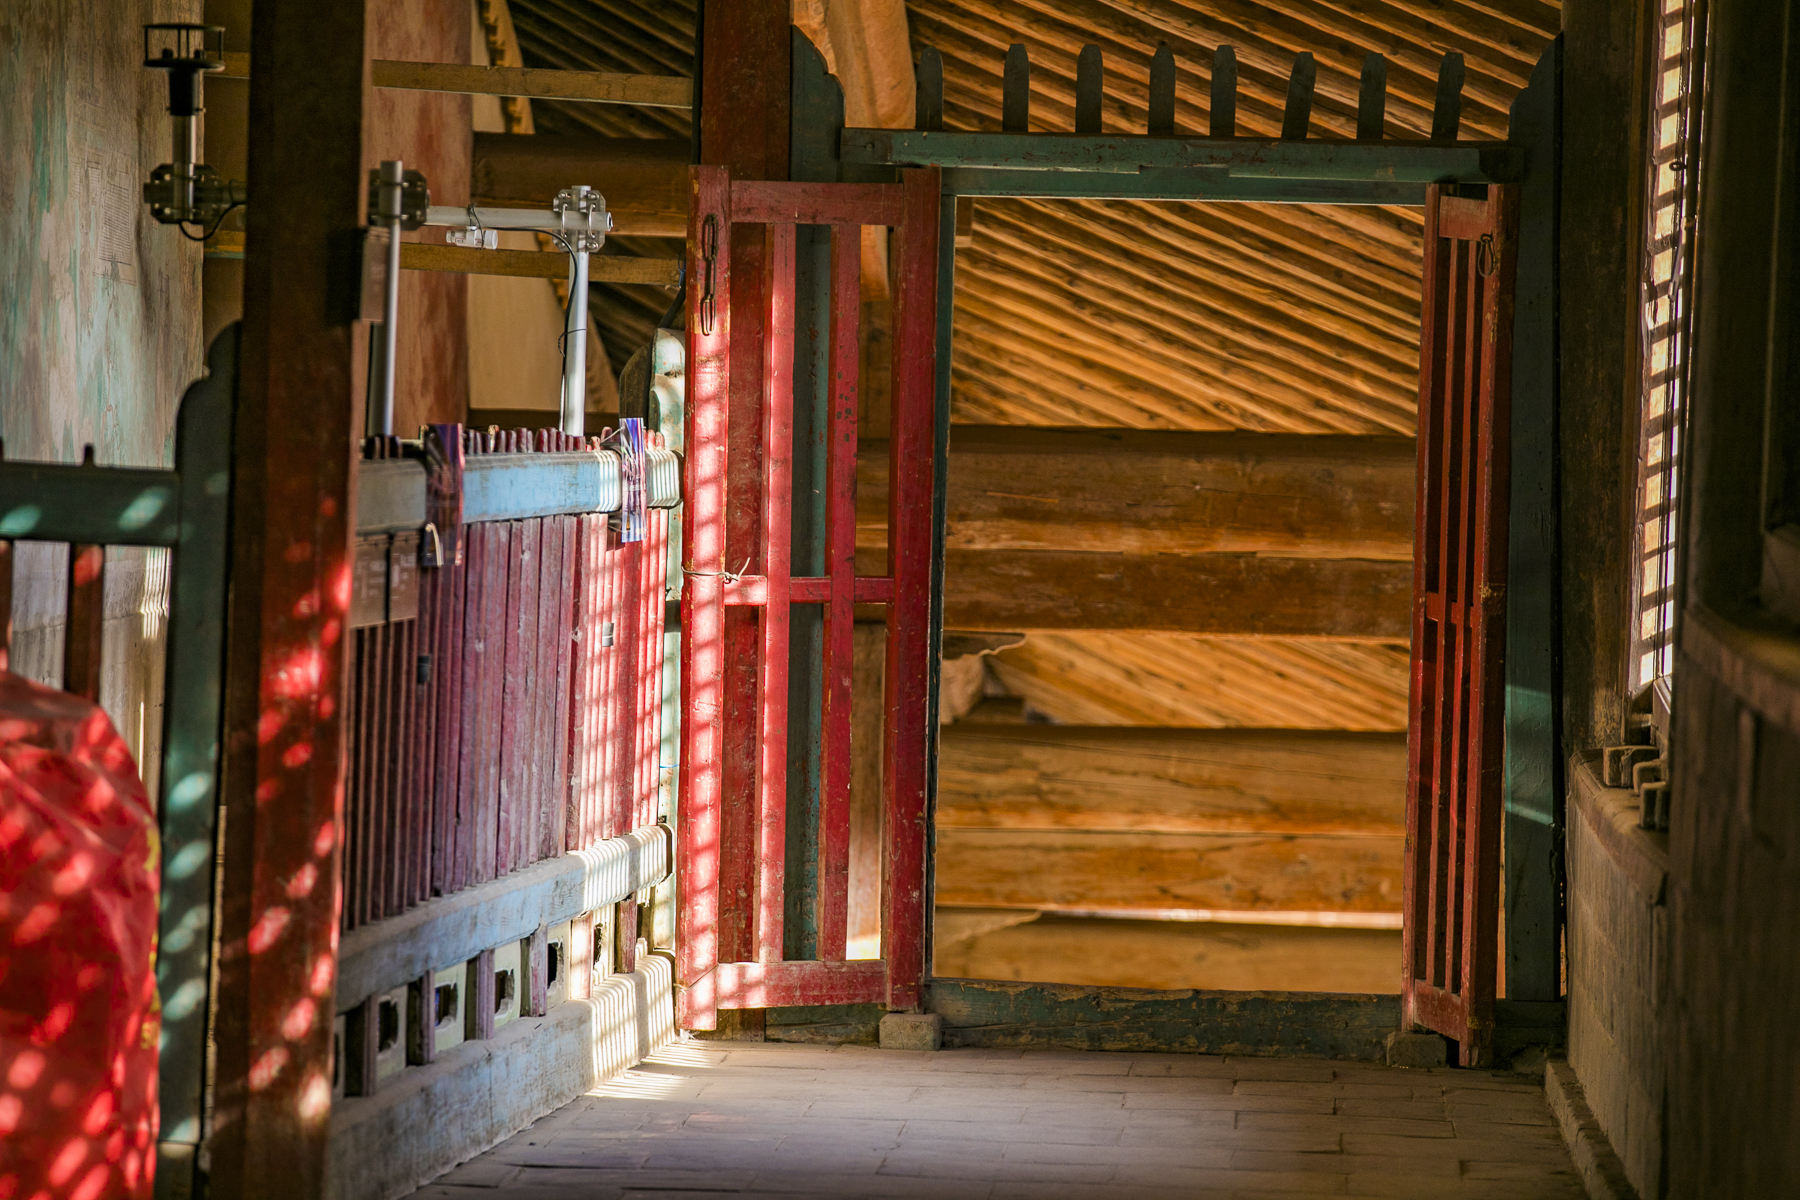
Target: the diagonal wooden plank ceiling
(1203, 316)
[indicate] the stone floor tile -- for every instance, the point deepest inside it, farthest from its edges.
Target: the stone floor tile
(1498, 1114)
(871, 1187)
(1223, 1138)
(1295, 1069)
(1100, 1133)
(1231, 1102)
(483, 1172)
(1152, 1065)
(1100, 1191)
(1346, 1164)
(1465, 1149)
(1423, 1110)
(1305, 1182)
(854, 1123)
(988, 1167)
(1173, 1155)
(1392, 1126)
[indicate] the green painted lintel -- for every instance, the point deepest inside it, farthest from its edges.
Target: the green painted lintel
(62, 502)
(1374, 162)
(1175, 184)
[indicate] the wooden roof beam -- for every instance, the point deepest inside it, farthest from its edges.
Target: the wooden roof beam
(1165, 492)
(1231, 595)
(644, 180)
(1291, 782)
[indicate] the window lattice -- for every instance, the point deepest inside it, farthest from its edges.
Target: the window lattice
(1666, 322)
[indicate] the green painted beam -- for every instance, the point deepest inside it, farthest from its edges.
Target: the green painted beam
(1171, 183)
(1249, 158)
(1042, 1015)
(60, 502)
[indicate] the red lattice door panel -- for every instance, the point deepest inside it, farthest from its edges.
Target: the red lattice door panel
(1456, 727)
(734, 748)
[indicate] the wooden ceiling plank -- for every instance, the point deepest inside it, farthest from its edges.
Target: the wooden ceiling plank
(1298, 264)
(1125, 246)
(1020, 319)
(1156, 326)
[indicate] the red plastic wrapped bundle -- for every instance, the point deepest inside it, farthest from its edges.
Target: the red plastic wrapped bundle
(78, 1008)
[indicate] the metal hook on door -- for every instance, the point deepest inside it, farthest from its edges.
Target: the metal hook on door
(1487, 260)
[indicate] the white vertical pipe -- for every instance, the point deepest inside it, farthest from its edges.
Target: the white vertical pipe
(574, 392)
(393, 176)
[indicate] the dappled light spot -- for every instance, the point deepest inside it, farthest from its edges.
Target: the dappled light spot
(268, 725)
(68, 1160)
(55, 1024)
(91, 1186)
(325, 841)
(303, 881)
(315, 1099)
(36, 924)
(26, 1068)
(266, 1069)
(298, 552)
(98, 1114)
(340, 588)
(268, 929)
(267, 791)
(298, 677)
(298, 1021)
(331, 631)
(10, 1108)
(63, 1094)
(307, 605)
(324, 974)
(73, 875)
(297, 755)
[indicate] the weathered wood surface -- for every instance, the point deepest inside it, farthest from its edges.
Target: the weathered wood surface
(1167, 492)
(1096, 677)
(1170, 780)
(1089, 872)
(644, 179)
(1175, 954)
(1241, 595)
(1312, 1024)
(597, 87)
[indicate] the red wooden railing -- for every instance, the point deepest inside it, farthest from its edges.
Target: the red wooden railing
(506, 706)
(1457, 719)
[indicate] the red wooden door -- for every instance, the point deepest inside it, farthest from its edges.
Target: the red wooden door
(1456, 726)
(734, 747)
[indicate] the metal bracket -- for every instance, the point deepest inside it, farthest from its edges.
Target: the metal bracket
(415, 200)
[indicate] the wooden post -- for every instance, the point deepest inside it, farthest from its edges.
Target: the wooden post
(292, 521)
(87, 614)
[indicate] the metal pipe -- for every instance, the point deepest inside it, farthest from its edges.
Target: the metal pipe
(393, 178)
(494, 218)
(574, 391)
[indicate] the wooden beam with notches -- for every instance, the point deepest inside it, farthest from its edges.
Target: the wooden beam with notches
(1145, 780)
(644, 180)
(1165, 492)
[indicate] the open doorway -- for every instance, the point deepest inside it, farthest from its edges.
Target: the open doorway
(1177, 579)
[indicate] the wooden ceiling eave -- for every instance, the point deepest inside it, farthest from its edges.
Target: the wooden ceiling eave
(1175, 285)
(1144, 348)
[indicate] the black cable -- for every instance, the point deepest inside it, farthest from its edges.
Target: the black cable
(207, 236)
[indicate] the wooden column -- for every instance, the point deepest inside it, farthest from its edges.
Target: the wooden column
(744, 106)
(292, 522)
